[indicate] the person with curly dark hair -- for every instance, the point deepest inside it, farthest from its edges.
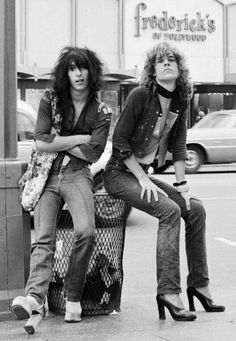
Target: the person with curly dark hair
(78, 135)
(153, 121)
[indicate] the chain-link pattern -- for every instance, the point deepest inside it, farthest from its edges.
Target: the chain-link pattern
(102, 292)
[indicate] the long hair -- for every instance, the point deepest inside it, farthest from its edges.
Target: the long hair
(81, 57)
(183, 82)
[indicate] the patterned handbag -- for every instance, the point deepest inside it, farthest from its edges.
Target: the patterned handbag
(34, 179)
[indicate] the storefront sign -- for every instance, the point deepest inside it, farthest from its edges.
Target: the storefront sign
(171, 28)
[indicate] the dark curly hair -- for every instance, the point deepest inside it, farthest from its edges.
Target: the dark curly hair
(183, 82)
(82, 57)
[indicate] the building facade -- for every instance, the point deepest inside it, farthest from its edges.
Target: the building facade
(122, 31)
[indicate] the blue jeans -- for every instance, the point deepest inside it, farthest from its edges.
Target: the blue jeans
(169, 210)
(76, 189)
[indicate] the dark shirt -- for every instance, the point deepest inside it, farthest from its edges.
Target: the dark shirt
(94, 120)
(136, 124)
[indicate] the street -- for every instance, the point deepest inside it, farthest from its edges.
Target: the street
(218, 192)
(138, 319)
(69, 71)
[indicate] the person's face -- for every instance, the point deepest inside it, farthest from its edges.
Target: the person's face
(79, 77)
(166, 68)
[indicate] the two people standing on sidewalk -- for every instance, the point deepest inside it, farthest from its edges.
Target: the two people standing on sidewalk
(85, 123)
(154, 120)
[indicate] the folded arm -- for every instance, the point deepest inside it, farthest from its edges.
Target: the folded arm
(77, 153)
(62, 143)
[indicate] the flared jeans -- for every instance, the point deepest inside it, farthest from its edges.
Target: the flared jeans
(76, 189)
(169, 210)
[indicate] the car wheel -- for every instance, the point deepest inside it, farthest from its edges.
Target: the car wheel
(195, 159)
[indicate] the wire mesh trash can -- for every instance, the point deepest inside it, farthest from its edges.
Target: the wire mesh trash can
(102, 291)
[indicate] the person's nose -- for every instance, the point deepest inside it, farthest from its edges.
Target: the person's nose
(78, 71)
(166, 62)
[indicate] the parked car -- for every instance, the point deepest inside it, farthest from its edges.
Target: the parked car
(26, 120)
(212, 140)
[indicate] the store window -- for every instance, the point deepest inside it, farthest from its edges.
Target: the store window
(205, 103)
(209, 97)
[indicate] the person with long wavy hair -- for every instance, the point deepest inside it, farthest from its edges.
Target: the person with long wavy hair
(183, 82)
(73, 123)
(153, 121)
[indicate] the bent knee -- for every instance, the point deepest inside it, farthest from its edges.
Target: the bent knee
(175, 210)
(197, 208)
(86, 234)
(170, 210)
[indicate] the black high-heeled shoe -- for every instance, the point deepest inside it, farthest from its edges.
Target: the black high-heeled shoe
(178, 314)
(206, 302)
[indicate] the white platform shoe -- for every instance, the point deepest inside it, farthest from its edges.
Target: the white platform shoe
(73, 312)
(28, 308)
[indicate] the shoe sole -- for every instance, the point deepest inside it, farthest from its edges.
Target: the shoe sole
(185, 319)
(73, 320)
(19, 313)
(215, 310)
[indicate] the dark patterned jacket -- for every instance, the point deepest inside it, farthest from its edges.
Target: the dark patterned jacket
(94, 120)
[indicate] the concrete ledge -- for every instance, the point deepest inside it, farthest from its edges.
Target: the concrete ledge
(15, 236)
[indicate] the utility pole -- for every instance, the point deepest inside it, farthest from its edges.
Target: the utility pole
(14, 222)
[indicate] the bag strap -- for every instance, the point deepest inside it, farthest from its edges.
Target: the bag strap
(56, 116)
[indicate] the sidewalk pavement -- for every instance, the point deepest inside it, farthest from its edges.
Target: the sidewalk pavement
(211, 168)
(138, 319)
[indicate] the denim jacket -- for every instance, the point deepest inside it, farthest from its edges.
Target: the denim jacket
(137, 122)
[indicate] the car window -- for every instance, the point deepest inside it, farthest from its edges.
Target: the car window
(26, 125)
(209, 121)
(229, 121)
(219, 121)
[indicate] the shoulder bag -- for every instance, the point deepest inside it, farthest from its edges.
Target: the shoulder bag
(34, 179)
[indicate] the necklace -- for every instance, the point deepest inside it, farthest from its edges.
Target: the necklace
(164, 92)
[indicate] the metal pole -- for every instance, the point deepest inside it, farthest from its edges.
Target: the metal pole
(73, 23)
(121, 20)
(225, 42)
(8, 148)
(14, 223)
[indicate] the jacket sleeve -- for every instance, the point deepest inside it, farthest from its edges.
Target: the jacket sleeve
(44, 120)
(94, 149)
(126, 125)
(179, 138)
